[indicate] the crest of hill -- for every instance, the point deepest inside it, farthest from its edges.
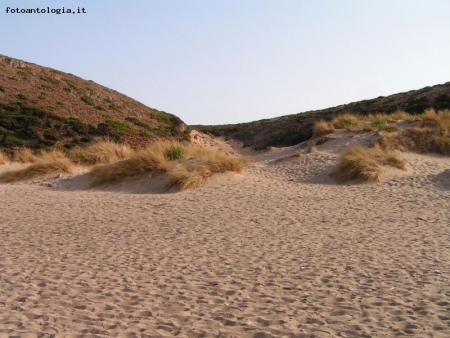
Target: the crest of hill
(292, 129)
(41, 107)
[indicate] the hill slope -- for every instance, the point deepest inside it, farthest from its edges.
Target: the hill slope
(41, 107)
(292, 129)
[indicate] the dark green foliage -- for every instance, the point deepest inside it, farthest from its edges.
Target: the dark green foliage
(99, 108)
(113, 107)
(49, 80)
(23, 125)
(139, 123)
(2, 89)
(113, 129)
(71, 84)
(22, 97)
(22, 73)
(417, 105)
(87, 100)
(174, 152)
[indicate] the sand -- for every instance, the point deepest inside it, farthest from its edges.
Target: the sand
(279, 251)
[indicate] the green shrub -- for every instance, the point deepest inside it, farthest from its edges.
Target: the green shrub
(87, 100)
(21, 96)
(175, 152)
(71, 84)
(138, 122)
(12, 141)
(49, 80)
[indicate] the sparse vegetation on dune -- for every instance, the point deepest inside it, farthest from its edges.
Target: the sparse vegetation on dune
(357, 164)
(346, 121)
(3, 158)
(363, 164)
(46, 163)
(432, 135)
(24, 155)
(186, 165)
(104, 152)
(321, 128)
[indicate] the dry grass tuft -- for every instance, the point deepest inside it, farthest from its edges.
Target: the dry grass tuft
(395, 161)
(401, 115)
(3, 158)
(357, 164)
(24, 155)
(431, 136)
(346, 121)
(296, 153)
(145, 161)
(188, 178)
(190, 168)
(43, 166)
(321, 128)
(103, 152)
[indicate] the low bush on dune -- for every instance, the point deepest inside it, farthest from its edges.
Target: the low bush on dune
(321, 128)
(44, 164)
(3, 158)
(174, 152)
(100, 153)
(184, 165)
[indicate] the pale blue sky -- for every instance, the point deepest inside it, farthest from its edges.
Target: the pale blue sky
(229, 61)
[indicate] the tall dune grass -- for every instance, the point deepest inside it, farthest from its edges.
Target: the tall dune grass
(103, 152)
(364, 164)
(45, 163)
(189, 166)
(24, 155)
(3, 158)
(321, 128)
(346, 121)
(432, 135)
(357, 164)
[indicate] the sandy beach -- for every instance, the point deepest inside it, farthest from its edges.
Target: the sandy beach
(278, 251)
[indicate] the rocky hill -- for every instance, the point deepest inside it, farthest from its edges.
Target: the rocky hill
(292, 129)
(42, 107)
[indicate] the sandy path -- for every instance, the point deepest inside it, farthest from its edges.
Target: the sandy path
(263, 255)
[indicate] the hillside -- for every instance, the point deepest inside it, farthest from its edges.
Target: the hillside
(292, 129)
(42, 107)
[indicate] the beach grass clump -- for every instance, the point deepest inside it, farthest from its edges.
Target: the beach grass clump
(357, 164)
(188, 168)
(348, 122)
(103, 152)
(401, 115)
(147, 161)
(393, 160)
(296, 153)
(321, 128)
(46, 163)
(432, 135)
(380, 121)
(3, 158)
(24, 155)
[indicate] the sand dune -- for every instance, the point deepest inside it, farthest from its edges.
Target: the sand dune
(279, 251)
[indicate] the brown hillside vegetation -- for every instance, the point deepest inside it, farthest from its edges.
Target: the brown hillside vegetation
(42, 107)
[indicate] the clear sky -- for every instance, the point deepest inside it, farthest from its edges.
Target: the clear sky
(229, 61)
